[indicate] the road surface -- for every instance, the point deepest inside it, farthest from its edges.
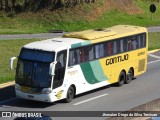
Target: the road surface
(52, 35)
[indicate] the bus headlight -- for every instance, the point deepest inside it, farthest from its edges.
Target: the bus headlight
(47, 91)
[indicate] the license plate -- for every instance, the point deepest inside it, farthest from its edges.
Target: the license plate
(25, 89)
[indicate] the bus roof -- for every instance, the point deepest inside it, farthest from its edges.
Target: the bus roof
(105, 32)
(53, 45)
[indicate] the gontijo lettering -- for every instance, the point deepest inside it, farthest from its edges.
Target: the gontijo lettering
(117, 59)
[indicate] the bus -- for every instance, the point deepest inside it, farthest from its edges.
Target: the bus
(60, 68)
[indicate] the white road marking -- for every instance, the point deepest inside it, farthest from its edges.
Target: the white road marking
(154, 56)
(7, 100)
(153, 61)
(90, 99)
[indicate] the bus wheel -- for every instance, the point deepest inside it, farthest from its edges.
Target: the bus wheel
(129, 76)
(121, 79)
(70, 94)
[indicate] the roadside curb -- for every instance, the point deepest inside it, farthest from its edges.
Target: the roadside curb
(13, 82)
(7, 84)
(153, 51)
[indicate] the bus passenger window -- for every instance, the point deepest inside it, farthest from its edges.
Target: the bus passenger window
(121, 46)
(139, 42)
(82, 55)
(61, 58)
(134, 43)
(129, 45)
(91, 53)
(97, 54)
(71, 58)
(114, 47)
(143, 41)
(109, 46)
(78, 56)
(101, 50)
(74, 57)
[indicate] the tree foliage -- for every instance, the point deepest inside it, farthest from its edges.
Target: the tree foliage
(34, 5)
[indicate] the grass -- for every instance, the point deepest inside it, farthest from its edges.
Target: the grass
(76, 19)
(154, 41)
(10, 48)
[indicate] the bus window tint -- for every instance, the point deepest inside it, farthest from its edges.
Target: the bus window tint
(114, 47)
(82, 55)
(101, 50)
(61, 58)
(110, 48)
(74, 57)
(134, 43)
(143, 37)
(139, 41)
(91, 53)
(71, 58)
(97, 50)
(78, 56)
(121, 46)
(86, 54)
(129, 45)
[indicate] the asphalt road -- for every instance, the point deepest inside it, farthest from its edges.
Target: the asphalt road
(143, 89)
(52, 35)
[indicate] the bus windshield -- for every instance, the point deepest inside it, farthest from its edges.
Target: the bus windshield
(33, 68)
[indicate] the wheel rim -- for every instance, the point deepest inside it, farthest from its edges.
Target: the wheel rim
(131, 75)
(70, 94)
(122, 79)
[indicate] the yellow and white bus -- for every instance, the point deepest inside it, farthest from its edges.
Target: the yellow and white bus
(61, 68)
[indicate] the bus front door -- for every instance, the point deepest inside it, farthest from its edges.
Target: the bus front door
(60, 69)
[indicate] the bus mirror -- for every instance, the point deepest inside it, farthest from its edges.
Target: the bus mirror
(52, 68)
(11, 62)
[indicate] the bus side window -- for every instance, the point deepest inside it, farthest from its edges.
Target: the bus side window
(61, 58)
(143, 41)
(114, 47)
(97, 54)
(60, 69)
(101, 50)
(74, 57)
(82, 55)
(121, 45)
(71, 58)
(110, 48)
(129, 44)
(91, 52)
(134, 43)
(78, 56)
(139, 42)
(125, 45)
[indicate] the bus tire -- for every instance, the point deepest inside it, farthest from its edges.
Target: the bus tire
(130, 76)
(70, 94)
(121, 79)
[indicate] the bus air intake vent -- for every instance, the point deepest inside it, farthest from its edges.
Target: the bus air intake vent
(141, 65)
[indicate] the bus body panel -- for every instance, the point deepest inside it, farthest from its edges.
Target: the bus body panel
(97, 71)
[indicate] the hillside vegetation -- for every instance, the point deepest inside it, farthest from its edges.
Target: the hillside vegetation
(75, 16)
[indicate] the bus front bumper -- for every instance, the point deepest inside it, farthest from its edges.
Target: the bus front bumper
(36, 97)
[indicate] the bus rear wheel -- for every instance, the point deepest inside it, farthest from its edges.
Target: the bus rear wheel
(129, 76)
(70, 94)
(121, 79)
